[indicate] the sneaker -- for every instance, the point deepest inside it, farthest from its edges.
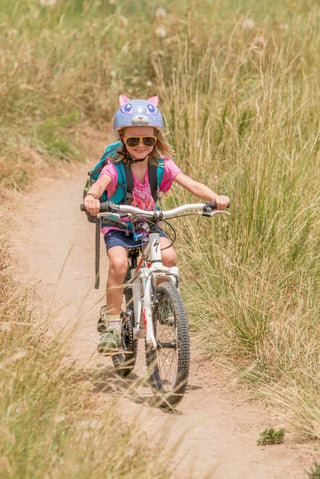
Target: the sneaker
(110, 342)
(166, 319)
(102, 321)
(101, 325)
(169, 321)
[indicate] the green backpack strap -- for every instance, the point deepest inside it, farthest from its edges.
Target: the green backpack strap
(155, 177)
(110, 151)
(129, 180)
(160, 172)
(125, 182)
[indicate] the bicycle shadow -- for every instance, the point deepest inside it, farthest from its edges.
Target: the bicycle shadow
(134, 387)
(104, 380)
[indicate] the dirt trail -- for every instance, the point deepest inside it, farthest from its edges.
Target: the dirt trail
(216, 427)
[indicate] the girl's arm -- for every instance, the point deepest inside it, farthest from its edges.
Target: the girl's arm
(91, 201)
(202, 191)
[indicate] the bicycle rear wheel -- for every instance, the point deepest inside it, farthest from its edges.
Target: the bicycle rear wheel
(168, 364)
(125, 361)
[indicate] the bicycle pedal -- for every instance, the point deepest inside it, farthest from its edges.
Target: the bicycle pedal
(108, 354)
(115, 352)
(101, 325)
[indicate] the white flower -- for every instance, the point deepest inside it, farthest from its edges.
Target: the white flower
(259, 41)
(158, 53)
(149, 83)
(12, 32)
(161, 32)
(284, 26)
(48, 3)
(248, 24)
(161, 12)
(124, 21)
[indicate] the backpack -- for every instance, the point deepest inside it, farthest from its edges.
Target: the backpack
(123, 193)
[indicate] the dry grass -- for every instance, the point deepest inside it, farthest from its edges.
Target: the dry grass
(238, 87)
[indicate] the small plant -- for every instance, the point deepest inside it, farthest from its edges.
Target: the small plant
(270, 436)
(315, 474)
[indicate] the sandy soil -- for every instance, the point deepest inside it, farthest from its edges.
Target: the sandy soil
(215, 430)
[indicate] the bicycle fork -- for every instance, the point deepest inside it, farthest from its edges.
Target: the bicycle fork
(144, 280)
(145, 301)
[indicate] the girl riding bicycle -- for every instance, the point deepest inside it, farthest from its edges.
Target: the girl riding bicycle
(138, 125)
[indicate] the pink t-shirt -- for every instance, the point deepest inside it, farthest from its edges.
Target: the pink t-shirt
(141, 194)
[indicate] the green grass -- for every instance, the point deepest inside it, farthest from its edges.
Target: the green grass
(270, 436)
(238, 85)
(315, 472)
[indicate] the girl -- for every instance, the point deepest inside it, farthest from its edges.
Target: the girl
(138, 124)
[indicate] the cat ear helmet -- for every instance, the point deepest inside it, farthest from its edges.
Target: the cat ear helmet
(138, 113)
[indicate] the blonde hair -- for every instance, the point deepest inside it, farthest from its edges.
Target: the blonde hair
(162, 148)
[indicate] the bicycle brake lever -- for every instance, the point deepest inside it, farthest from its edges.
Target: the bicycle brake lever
(210, 208)
(207, 211)
(211, 213)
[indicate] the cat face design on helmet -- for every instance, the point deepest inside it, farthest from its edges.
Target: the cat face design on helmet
(138, 112)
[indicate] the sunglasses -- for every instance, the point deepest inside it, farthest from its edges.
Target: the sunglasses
(135, 140)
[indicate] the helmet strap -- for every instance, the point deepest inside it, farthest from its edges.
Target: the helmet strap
(127, 155)
(136, 161)
(130, 160)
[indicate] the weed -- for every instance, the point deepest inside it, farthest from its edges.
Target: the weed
(270, 436)
(315, 473)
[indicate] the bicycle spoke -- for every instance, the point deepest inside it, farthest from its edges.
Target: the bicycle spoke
(169, 363)
(168, 367)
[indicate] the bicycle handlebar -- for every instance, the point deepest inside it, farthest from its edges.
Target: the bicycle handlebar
(200, 207)
(207, 209)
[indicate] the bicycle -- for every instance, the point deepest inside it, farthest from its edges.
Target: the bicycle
(153, 308)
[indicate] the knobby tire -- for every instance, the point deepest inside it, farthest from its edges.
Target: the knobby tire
(168, 365)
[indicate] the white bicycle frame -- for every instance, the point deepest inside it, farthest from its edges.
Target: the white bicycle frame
(150, 269)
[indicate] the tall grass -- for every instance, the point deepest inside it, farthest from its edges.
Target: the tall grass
(238, 84)
(51, 425)
(247, 121)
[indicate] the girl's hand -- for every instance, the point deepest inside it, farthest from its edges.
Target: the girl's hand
(91, 204)
(222, 202)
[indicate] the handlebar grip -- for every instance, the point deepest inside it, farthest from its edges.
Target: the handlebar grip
(211, 204)
(104, 207)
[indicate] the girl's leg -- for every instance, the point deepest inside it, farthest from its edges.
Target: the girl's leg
(110, 341)
(168, 254)
(118, 265)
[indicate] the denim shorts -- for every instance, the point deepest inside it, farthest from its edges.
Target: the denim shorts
(121, 238)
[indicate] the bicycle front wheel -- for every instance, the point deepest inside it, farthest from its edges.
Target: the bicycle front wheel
(168, 364)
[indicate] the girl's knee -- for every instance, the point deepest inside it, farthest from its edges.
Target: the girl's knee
(169, 257)
(168, 254)
(118, 265)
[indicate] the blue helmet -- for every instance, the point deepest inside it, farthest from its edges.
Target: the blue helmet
(138, 113)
